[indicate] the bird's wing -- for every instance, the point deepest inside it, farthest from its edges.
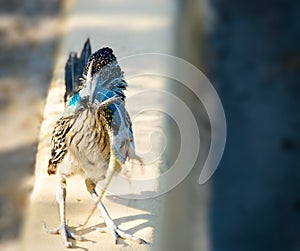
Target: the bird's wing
(121, 132)
(59, 142)
(120, 126)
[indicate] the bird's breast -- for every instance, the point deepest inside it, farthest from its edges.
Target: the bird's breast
(89, 145)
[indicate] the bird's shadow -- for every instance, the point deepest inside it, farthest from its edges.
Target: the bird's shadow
(138, 204)
(75, 246)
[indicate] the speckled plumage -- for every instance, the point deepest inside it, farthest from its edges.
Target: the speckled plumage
(106, 81)
(94, 135)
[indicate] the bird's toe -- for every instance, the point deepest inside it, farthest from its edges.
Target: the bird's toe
(117, 233)
(65, 233)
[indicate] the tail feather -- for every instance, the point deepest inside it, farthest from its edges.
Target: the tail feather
(74, 69)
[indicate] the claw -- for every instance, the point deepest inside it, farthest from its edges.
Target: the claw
(50, 230)
(65, 233)
(125, 235)
(117, 233)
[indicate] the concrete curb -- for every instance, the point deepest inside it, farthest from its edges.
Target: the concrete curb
(127, 27)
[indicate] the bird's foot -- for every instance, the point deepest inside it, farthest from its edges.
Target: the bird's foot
(117, 233)
(65, 233)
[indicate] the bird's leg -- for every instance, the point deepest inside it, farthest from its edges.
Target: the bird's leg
(111, 226)
(63, 229)
(113, 162)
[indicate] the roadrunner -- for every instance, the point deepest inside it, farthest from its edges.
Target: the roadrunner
(94, 135)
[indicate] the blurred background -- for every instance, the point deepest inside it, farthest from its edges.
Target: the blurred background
(29, 33)
(250, 51)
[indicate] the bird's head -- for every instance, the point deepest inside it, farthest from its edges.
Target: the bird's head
(100, 74)
(98, 60)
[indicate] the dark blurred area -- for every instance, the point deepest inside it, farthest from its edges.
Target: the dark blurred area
(28, 39)
(250, 51)
(256, 69)
(254, 55)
